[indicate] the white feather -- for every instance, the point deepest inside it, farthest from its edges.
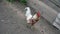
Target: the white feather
(28, 13)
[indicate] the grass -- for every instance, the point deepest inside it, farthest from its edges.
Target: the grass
(20, 1)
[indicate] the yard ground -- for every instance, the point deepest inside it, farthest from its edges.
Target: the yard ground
(12, 21)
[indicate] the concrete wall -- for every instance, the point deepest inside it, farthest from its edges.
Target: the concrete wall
(47, 12)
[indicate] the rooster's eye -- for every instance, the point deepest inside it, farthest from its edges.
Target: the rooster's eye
(25, 9)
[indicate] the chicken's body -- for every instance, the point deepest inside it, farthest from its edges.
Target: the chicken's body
(31, 19)
(28, 14)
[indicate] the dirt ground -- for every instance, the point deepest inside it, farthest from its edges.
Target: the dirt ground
(12, 21)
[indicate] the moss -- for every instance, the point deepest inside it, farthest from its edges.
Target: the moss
(20, 1)
(23, 1)
(11, 0)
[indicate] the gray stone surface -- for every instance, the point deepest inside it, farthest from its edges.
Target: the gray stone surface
(53, 4)
(12, 21)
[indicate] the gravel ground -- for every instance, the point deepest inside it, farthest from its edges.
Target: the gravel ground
(12, 21)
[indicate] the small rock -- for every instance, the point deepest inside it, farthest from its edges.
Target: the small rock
(2, 20)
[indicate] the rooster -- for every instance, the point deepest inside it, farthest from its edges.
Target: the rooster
(31, 19)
